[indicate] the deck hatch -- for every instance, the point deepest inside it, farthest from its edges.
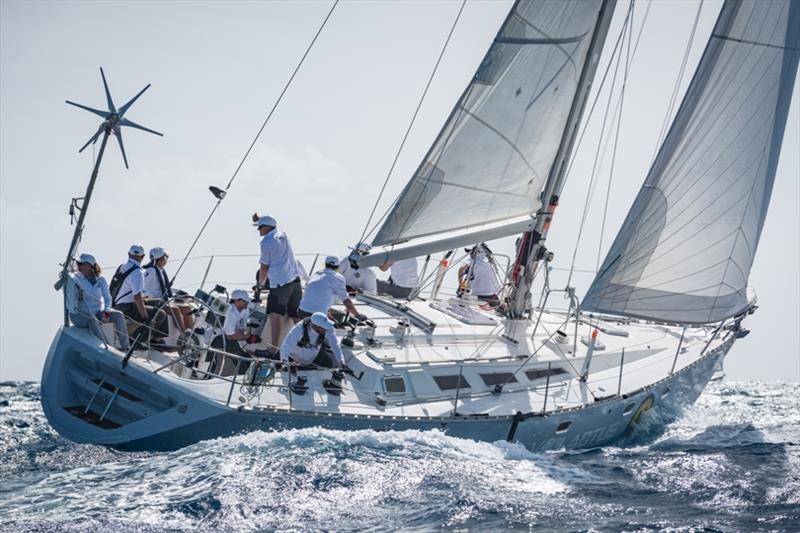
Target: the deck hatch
(539, 374)
(394, 385)
(455, 381)
(498, 378)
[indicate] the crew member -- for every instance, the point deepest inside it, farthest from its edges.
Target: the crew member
(403, 278)
(129, 294)
(89, 302)
(234, 336)
(279, 266)
(356, 278)
(158, 287)
(323, 288)
(312, 342)
(479, 276)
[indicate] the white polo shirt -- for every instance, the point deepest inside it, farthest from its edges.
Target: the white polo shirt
(483, 281)
(133, 284)
(235, 320)
(277, 254)
(361, 278)
(404, 273)
(152, 288)
(307, 355)
(323, 289)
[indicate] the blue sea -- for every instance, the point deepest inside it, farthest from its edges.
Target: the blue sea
(731, 463)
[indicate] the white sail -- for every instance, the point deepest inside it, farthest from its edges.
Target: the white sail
(686, 247)
(487, 167)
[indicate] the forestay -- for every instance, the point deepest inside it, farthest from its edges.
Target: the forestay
(488, 165)
(686, 247)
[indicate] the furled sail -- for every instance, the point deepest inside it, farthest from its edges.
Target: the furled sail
(484, 173)
(685, 250)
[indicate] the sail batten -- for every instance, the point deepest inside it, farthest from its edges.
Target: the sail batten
(492, 158)
(685, 250)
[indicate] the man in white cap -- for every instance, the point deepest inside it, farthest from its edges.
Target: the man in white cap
(127, 291)
(89, 301)
(312, 342)
(278, 267)
(359, 279)
(402, 280)
(325, 287)
(478, 276)
(157, 287)
(234, 328)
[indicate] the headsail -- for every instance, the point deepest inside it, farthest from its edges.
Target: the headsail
(685, 250)
(485, 171)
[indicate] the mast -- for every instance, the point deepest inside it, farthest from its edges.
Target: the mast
(112, 123)
(534, 239)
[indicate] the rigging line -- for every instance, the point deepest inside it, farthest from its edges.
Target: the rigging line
(599, 144)
(675, 89)
(413, 119)
(616, 140)
(255, 139)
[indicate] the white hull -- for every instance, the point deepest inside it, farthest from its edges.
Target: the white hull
(88, 398)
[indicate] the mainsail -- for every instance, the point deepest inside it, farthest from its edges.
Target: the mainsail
(685, 250)
(483, 175)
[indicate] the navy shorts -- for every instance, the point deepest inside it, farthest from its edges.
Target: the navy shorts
(285, 300)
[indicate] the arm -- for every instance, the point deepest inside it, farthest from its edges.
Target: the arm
(330, 336)
(263, 274)
(386, 266)
(290, 341)
(348, 303)
(106, 294)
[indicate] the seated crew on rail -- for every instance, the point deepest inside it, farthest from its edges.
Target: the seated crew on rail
(402, 280)
(325, 287)
(478, 276)
(278, 267)
(359, 279)
(89, 301)
(312, 342)
(127, 293)
(157, 287)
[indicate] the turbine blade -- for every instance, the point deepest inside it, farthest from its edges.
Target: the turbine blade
(126, 122)
(92, 140)
(124, 108)
(97, 112)
(111, 107)
(118, 134)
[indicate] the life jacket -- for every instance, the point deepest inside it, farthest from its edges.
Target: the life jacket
(305, 341)
(163, 283)
(117, 281)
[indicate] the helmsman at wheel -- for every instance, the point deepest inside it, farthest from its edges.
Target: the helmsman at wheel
(312, 342)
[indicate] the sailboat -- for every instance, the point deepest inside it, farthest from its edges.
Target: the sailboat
(665, 307)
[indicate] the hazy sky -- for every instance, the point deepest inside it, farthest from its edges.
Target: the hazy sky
(217, 68)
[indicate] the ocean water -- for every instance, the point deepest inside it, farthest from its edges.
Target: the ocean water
(731, 463)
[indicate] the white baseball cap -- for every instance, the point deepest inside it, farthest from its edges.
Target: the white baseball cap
(136, 249)
(157, 253)
(266, 220)
(319, 319)
(240, 294)
(87, 258)
(332, 260)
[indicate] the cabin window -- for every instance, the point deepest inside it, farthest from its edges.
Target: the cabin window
(628, 409)
(500, 378)
(539, 374)
(563, 426)
(394, 385)
(451, 382)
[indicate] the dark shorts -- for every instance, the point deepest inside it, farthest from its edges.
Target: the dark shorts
(284, 300)
(395, 291)
(158, 319)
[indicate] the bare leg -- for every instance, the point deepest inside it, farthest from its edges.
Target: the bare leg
(275, 326)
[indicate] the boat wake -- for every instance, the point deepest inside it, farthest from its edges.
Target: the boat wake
(732, 462)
